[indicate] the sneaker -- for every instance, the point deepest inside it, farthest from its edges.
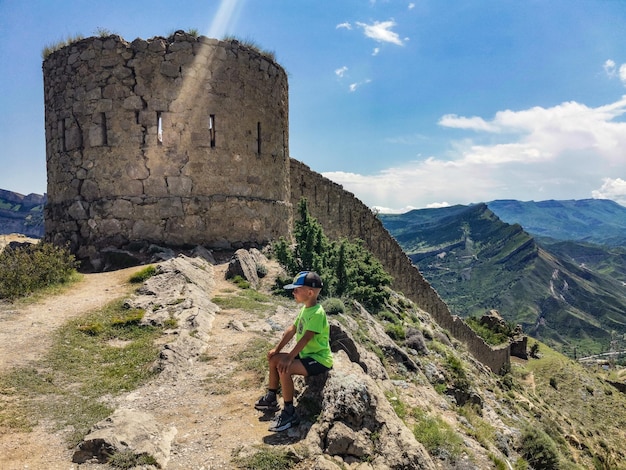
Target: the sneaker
(267, 404)
(284, 421)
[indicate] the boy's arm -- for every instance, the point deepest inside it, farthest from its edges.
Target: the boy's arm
(308, 336)
(287, 335)
(286, 361)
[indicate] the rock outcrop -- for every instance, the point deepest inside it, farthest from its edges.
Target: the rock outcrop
(349, 418)
(356, 423)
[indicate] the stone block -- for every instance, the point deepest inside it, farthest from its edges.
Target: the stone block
(96, 136)
(133, 103)
(73, 139)
(179, 185)
(170, 69)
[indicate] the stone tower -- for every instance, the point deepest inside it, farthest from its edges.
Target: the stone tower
(177, 141)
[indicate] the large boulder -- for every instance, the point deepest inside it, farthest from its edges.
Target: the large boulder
(130, 432)
(246, 264)
(355, 422)
(178, 297)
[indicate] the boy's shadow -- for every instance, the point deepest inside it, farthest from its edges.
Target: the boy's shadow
(283, 437)
(268, 415)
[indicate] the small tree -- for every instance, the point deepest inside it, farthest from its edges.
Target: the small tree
(347, 267)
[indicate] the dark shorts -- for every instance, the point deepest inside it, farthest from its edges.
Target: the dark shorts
(312, 366)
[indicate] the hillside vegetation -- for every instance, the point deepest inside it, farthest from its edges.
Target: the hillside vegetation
(568, 294)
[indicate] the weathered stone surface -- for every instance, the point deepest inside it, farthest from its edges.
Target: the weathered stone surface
(126, 430)
(342, 340)
(415, 340)
(352, 408)
(136, 129)
(244, 264)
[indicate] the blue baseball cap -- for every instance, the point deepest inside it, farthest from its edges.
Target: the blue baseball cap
(306, 278)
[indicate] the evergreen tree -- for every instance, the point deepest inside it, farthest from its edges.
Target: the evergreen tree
(347, 268)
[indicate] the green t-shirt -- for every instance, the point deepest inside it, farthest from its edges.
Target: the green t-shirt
(314, 319)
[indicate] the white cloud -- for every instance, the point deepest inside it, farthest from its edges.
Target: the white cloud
(340, 72)
(411, 5)
(390, 210)
(622, 73)
(473, 123)
(345, 25)
(562, 152)
(353, 86)
(614, 189)
(611, 70)
(381, 31)
(376, 51)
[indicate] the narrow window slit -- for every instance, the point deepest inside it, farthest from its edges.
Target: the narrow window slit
(159, 127)
(103, 128)
(258, 138)
(212, 129)
(63, 146)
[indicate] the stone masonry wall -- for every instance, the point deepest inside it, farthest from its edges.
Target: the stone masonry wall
(180, 140)
(343, 215)
(184, 141)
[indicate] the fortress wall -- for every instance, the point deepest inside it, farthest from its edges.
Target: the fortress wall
(184, 141)
(178, 140)
(342, 215)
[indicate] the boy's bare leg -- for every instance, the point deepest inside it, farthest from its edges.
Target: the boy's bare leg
(286, 382)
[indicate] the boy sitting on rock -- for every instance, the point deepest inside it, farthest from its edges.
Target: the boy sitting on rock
(310, 356)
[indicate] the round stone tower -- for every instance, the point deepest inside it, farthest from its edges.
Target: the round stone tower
(177, 141)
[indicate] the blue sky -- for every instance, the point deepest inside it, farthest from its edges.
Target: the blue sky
(407, 104)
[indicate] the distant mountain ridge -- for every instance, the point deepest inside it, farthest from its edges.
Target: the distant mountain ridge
(569, 294)
(21, 214)
(599, 221)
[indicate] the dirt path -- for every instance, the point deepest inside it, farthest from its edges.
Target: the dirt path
(25, 336)
(211, 406)
(25, 329)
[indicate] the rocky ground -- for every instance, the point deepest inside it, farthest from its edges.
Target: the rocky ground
(209, 406)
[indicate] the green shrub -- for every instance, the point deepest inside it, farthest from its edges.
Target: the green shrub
(436, 435)
(240, 282)
(143, 275)
(492, 337)
(267, 458)
(130, 318)
(261, 270)
(553, 383)
(333, 306)
(387, 315)
(28, 269)
(128, 459)
(395, 331)
(539, 449)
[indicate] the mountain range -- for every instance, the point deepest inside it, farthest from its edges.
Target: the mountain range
(550, 278)
(21, 214)
(599, 221)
